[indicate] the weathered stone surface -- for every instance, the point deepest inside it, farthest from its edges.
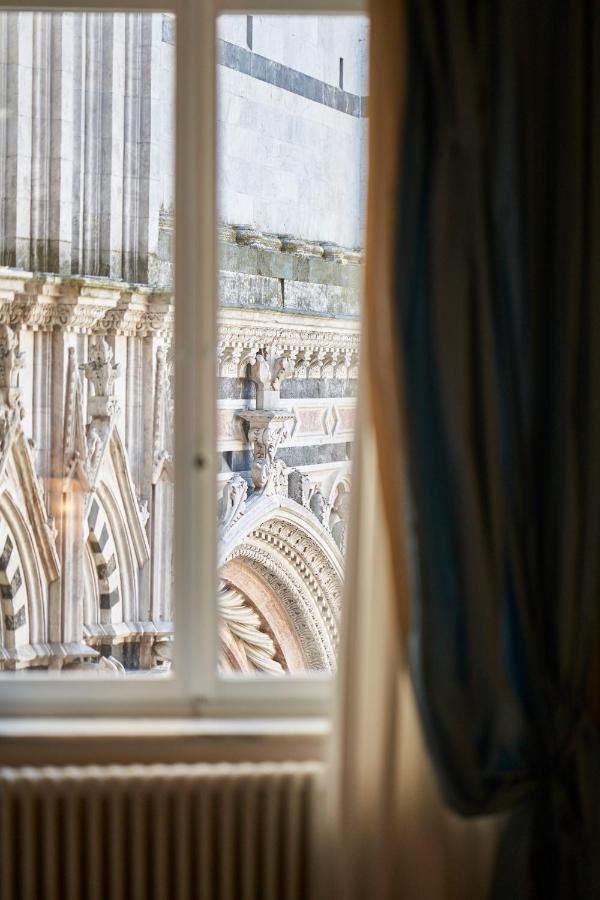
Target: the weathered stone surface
(239, 289)
(309, 388)
(235, 389)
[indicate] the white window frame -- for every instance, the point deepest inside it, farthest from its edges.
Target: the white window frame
(194, 687)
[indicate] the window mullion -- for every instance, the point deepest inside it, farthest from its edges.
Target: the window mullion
(195, 324)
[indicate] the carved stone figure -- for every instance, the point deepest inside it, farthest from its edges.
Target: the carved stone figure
(233, 501)
(319, 505)
(11, 359)
(266, 431)
(100, 369)
(338, 520)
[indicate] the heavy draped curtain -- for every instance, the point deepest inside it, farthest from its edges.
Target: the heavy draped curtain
(483, 329)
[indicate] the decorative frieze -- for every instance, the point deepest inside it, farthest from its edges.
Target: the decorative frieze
(313, 422)
(83, 305)
(308, 347)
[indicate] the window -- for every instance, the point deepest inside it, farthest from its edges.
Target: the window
(107, 417)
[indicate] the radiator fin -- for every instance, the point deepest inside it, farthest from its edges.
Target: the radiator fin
(214, 832)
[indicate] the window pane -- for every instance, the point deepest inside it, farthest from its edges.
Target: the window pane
(292, 134)
(86, 474)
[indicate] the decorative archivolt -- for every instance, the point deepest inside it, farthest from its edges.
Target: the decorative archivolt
(297, 560)
(294, 602)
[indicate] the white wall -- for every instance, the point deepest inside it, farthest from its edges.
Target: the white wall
(288, 164)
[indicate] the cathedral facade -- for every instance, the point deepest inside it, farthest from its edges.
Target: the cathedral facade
(86, 339)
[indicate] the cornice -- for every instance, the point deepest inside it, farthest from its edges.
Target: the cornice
(250, 236)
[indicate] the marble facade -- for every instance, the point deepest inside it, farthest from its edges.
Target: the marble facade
(86, 396)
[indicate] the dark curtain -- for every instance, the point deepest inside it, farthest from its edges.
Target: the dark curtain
(498, 310)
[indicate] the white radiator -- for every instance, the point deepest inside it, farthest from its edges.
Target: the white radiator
(197, 832)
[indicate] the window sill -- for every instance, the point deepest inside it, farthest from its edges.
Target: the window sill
(106, 741)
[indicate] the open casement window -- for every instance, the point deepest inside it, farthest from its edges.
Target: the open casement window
(262, 324)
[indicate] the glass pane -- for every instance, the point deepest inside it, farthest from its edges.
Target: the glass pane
(292, 154)
(86, 249)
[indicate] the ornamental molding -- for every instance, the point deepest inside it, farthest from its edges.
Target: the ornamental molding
(83, 305)
(302, 346)
(314, 422)
(159, 318)
(284, 580)
(286, 546)
(126, 317)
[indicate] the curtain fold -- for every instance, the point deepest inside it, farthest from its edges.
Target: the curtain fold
(497, 314)
(482, 347)
(394, 837)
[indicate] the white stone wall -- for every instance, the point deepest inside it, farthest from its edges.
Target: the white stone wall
(86, 138)
(288, 164)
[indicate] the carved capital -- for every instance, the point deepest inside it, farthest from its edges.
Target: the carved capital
(158, 319)
(126, 317)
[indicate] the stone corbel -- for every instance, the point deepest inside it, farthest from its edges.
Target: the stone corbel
(266, 430)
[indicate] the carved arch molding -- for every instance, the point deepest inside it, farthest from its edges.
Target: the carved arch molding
(289, 581)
